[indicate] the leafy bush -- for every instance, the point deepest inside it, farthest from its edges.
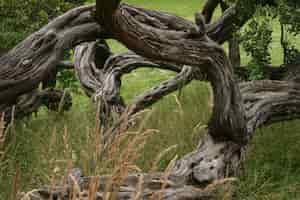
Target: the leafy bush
(20, 18)
(256, 41)
(257, 37)
(289, 17)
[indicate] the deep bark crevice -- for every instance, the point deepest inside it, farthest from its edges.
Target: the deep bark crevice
(157, 40)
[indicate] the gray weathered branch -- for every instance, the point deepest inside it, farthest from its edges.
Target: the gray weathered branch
(35, 59)
(159, 37)
(30, 103)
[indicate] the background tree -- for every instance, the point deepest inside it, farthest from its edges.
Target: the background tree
(257, 37)
(20, 18)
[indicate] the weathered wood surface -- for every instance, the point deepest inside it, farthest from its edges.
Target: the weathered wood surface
(34, 60)
(158, 40)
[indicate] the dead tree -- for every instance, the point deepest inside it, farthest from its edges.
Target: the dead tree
(156, 40)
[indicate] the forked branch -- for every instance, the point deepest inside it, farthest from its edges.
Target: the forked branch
(157, 37)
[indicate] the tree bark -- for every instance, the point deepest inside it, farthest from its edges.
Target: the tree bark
(33, 61)
(30, 102)
(208, 9)
(190, 49)
(233, 43)
(234, 52)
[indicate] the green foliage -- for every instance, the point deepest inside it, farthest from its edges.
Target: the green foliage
(257, 37)
(38, 148)
(36, 153)
(19, 18)
(256, 41)
(291, 53)
(66, 79)
(289, 17)
(272, 165)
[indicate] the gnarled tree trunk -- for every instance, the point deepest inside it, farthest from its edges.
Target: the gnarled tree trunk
(159, 40)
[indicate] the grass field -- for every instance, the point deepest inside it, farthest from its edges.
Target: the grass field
(42, 147)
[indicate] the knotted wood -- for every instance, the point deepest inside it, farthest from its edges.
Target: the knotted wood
(35, 60)
(155, 37)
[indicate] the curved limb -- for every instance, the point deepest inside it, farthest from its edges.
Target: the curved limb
(220, 153)
(195, 50)
(158, 92)
(134, 186)
(209, 8)
(30, 103)
(104, 81)
(265, 102)
(268, 101)
(31, 62)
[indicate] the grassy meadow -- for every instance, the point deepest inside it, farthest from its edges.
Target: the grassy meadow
(41, 148)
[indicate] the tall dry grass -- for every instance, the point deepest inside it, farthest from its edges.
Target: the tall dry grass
(117, 156)
(51, 147)
(2, 135)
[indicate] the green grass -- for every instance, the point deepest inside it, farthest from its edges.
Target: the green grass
(35, 152)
